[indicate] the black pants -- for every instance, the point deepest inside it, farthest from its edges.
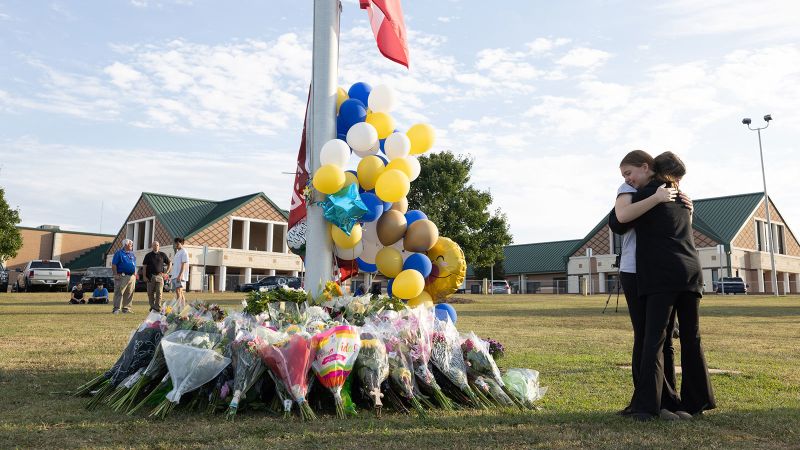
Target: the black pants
(696, 392)
(637, 312)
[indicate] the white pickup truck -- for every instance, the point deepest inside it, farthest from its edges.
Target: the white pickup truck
(42, 274)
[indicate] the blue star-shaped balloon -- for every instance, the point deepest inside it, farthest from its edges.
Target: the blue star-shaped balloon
(344, 208)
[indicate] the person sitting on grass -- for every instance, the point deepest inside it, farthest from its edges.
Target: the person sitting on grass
(77, 295)
(100, 295)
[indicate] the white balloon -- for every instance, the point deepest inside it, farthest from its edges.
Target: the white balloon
(415, 167)
(349, 254)
(381, 99)
(370, 251)
(397, 145)
(362, 137)
(403, 252)
(373, 151)
(369, 232)
(336, 152)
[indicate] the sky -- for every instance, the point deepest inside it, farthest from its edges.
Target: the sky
(102, 100)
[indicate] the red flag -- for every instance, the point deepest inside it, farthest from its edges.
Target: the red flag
(386, 18)
(296, 233)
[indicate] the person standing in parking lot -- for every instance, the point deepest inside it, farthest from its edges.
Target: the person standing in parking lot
(154, 266)
(124, 266)
(180, 272)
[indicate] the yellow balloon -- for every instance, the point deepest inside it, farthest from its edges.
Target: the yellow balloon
(422, 299)
(389, 261)
(329, 179)
(400, 164)
(450, 271)
(350, 178)
(408, 284)
(382, 122)
(341, 96)
(422, 137)
(392, 185)
(369, 169)
(343, 240)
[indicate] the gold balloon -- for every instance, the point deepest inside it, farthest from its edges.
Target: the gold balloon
(392, 185)
(400, 164)
(408, 284)
(383, 123)
(369, 169)
(421, 236)
(349, 178)
(423, 299)
(391, 227)
(343, 240)
(422, 137)
(389, 261)
(450, 270)
(401, 205)
(328, 179)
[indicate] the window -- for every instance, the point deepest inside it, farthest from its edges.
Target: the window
(617, 243)
(762, 237)
(257, 235)
(141, 232)
(777, 233)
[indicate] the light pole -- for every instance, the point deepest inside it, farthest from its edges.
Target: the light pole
(767, 119)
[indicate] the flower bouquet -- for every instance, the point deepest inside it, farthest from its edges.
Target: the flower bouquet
(420, 332)
(247, 365)
(480, 362)
(400, 372)
(523, 384)
(335, 352)
(372, 368)
(288, 358)
(446, 357)
(193, 360)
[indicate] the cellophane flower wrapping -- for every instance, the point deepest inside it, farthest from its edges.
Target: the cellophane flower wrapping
(192, 360)
(446, 356)
(247, 366)
(335, 353)
(372, 365)
(288, 357)
(419, 322)
(524, 385)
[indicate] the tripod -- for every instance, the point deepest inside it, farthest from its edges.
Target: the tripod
(617, 287)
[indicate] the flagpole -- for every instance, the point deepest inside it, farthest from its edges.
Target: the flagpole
(322, 115)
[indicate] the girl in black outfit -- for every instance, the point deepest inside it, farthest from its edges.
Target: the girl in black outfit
(669, 277)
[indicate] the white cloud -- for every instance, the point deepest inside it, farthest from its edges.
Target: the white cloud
(583, 57)
(765, 19)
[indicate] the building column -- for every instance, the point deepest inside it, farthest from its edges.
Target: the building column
(223, 273)
(148, 236)
(246, 235)
(785, 283)
(248, 274)
(284, 242)
(56, 251)
(269, 236)
(760, 280)
(271, 272)
(522, 285)
(295, 273)
(601, 282)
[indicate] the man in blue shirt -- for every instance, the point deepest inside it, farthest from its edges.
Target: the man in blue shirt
(124, 267)
(100, 295)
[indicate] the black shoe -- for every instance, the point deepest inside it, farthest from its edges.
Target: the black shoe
(642, 417)
(626, 411)
(83, 302)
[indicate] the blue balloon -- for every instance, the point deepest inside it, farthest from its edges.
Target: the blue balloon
(444, 312)
(374, 207)
(387, 206)
(360, 91)
(389, 286)
(351, 112)
(342, 136)
(366, 267)
(420, 263)
(414, 215)
(383, 158)
(382, 143)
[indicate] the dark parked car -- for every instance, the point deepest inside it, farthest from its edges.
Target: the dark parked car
(3, 279)
(269, 283)
(95, 275)
(730, 285)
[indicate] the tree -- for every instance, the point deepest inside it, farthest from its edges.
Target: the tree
(10, 239)
(459, 210)
(486, 272)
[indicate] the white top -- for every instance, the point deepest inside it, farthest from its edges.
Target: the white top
(627, 262)
(180, 257)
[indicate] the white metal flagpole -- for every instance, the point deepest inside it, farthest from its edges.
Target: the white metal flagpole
(322, 114)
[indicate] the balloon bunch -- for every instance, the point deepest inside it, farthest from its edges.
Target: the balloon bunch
(367, 207)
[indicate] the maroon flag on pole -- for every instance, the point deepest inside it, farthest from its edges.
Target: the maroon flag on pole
(386, 18)
(296, 234)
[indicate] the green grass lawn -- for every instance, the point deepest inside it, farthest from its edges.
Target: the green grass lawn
(48, 348)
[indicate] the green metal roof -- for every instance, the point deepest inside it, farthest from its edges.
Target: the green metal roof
(93, 258)
(184, 217)
(724, 216)
(541, 257)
